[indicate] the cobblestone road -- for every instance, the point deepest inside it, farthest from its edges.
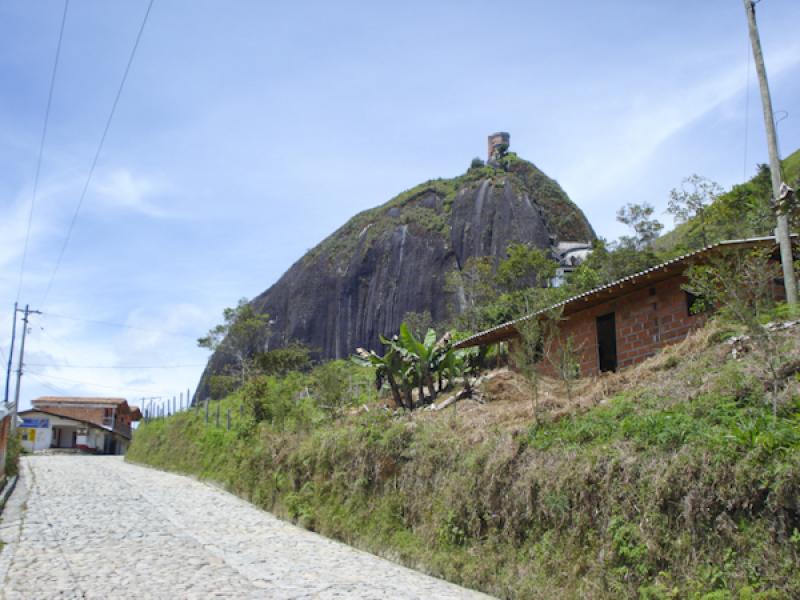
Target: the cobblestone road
(97, 527)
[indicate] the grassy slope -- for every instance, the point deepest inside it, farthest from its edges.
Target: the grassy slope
(678, 485)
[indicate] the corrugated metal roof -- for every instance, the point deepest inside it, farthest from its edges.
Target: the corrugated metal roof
(508, 329)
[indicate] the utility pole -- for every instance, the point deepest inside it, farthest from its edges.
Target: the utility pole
(11, 353)
(782, 231)
(15, 407)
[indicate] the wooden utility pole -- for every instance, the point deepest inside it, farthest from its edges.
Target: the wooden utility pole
(782, 230)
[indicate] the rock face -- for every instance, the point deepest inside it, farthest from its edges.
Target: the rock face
(385, 262)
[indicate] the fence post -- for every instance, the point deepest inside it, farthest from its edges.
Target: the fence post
(218, 414)
(206, 411)
(229, 419)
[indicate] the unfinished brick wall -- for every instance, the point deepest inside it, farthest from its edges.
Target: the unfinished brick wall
(646, 320)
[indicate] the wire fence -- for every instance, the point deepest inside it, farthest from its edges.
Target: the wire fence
(158, 408)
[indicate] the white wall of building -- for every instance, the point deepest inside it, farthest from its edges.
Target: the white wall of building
(41, 438)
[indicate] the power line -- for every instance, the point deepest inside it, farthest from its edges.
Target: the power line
(87, 383)
(49, 386)
(67, 366)
(97, 153)
(121, 325)
(55, 342)
(41, 149)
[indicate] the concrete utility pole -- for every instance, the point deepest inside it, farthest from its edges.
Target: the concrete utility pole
(782, 231)
(15, 406)
(11, 353)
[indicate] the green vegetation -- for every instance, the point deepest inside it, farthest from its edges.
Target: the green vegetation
(742, 212)
(13, 450)
(242, 334)
(409, 364)
(683, 485)
(407, 208)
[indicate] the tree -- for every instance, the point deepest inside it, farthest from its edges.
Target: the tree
(294, 357)
(525, 267)
(242, 335)
(564, 357)
(609, 262)
(472, 286)
(738, 284)
(526, 352)
(638, 217)
(691, 200)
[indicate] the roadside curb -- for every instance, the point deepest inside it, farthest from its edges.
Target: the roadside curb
(9, 487)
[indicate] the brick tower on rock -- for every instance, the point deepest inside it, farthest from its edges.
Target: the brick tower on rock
(498, 143)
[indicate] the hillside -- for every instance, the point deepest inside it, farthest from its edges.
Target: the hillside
(668, 480)
(742, 212)
(385, 262)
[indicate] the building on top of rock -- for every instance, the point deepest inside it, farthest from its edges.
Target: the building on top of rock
(498, 144)
(569, 255)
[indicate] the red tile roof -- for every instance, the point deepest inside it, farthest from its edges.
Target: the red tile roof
(79, 400)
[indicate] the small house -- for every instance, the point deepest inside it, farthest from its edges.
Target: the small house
(100, 425)
(625, 322)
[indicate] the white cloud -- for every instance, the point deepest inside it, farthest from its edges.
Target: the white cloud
(635, 135)
(122, 189)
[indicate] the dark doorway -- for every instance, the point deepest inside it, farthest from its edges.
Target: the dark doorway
(607, 342)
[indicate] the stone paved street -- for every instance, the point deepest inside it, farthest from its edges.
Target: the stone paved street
(97, 527)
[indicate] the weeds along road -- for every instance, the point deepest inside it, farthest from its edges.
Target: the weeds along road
(97, 527)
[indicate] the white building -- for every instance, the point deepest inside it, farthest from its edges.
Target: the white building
(42, 430)
(569, 255)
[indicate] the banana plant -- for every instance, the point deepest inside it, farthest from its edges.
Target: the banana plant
(392, 368)
(387, 367)
(408, 363)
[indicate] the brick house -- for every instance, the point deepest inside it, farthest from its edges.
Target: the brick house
(94, 424)
(624, 322)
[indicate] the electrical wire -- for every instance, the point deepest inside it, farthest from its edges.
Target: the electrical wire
(97, 154)
(49, 386)
(121, 325)
(55, 342)
(86, 383)
(41, 150)
(67, 366)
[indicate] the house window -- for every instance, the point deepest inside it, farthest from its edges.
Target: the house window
(694, 304)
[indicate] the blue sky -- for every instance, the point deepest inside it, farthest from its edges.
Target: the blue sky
(248, 131)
